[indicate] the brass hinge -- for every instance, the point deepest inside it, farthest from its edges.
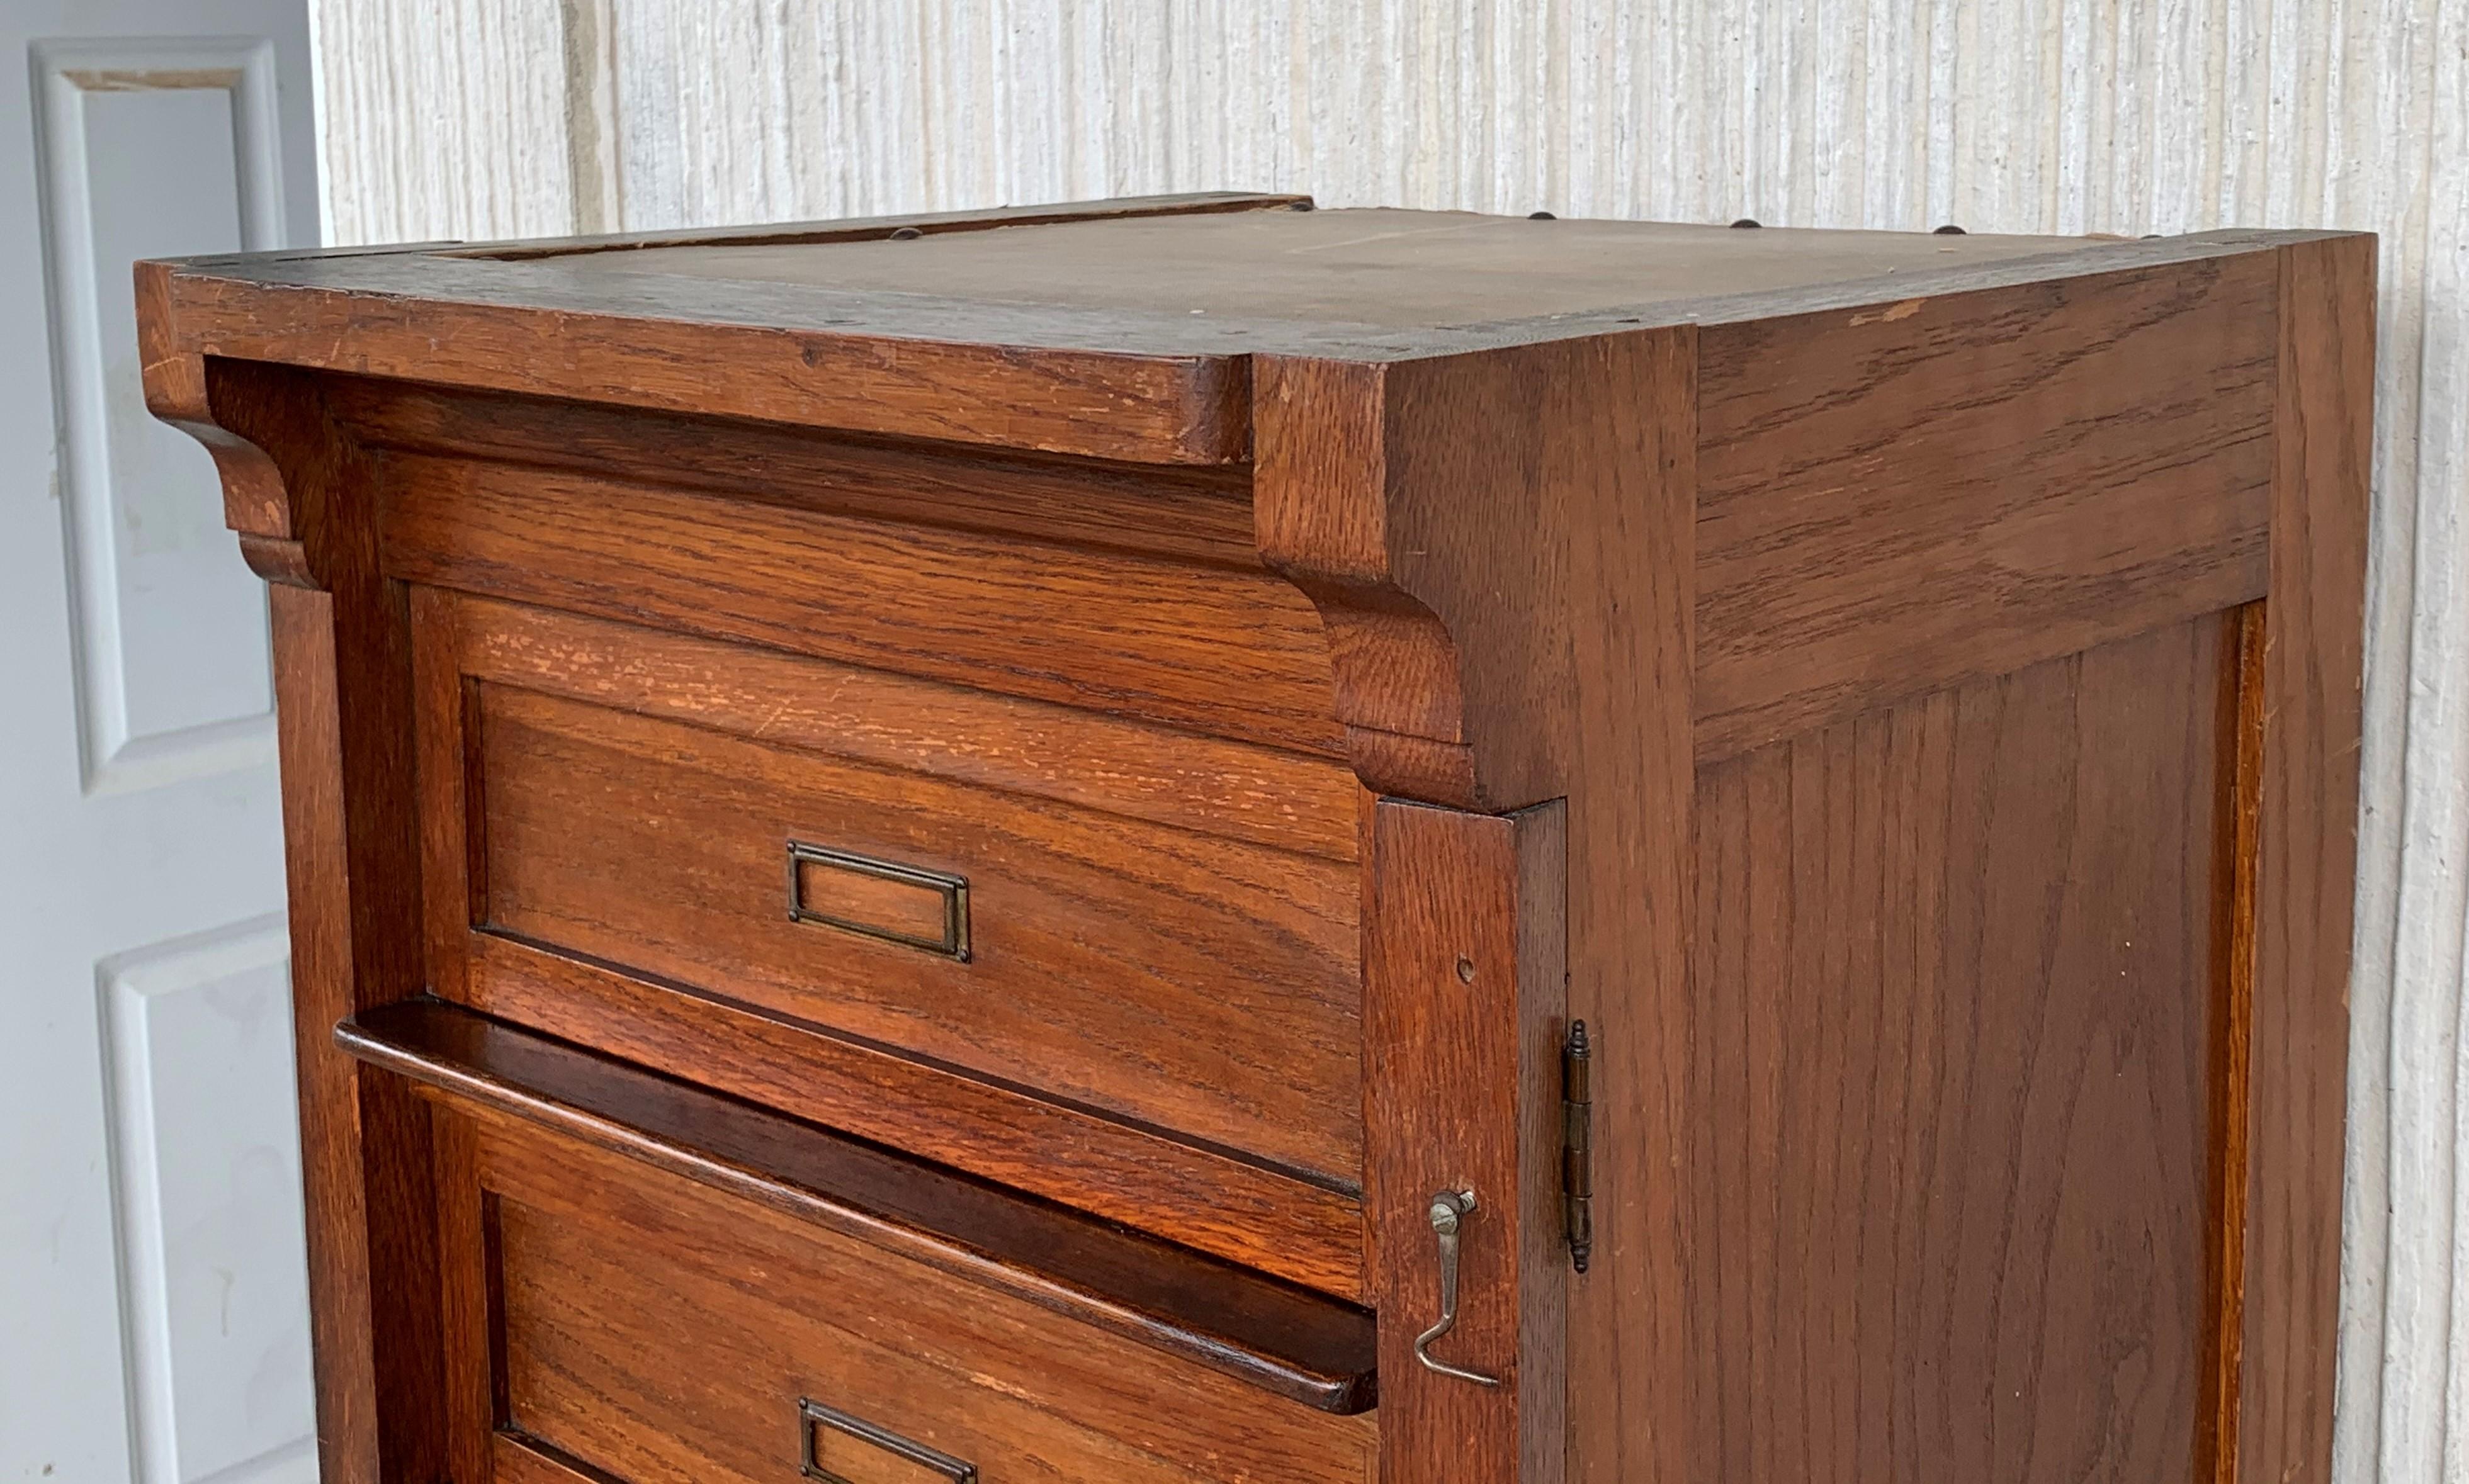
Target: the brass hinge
(1578, 1144)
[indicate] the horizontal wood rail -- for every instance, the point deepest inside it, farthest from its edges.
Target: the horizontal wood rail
(1276, 1335)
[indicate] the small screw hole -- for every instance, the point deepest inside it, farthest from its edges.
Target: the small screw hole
(1466, 970)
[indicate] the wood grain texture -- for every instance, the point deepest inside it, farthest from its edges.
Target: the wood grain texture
(1211, 1200)
(352, 901)
(1902, 498)
(470, 1315)
(1464, 999)
(2233, 1085)
(860, 229)
(1955, 993)
(2312, 643)
(1849, 114)
(1630, 900)
(1296, 1344)
(452, 868)
(1419, 505)
(1922, 1028)
(513, 1459)
(340, 674)
(380, 315)
(1202, 514)
(1084, 759)
(613, 1276)
(1236, 654)
(1385, 269)
(1181, 982)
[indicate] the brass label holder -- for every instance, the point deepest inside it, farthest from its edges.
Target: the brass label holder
(813, 1415)
(950, 892)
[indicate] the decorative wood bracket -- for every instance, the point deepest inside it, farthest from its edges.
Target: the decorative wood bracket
(1422, 505)
(293, 480)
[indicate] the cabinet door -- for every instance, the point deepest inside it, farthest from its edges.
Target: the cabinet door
(154, 1318)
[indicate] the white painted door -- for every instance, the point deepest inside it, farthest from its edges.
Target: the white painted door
(152, 1298)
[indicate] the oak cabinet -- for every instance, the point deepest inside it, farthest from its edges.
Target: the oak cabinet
(1194, 839)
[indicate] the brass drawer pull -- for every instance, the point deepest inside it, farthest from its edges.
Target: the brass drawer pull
(884, 900)
(813, 1415)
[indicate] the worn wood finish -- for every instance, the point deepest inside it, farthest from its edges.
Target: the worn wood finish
(1236, 654)
(1300, 1345)
(859, 363)
(863, 229)
(1123, 381)
(1909, 715)
(1896, 499)
(1465, 1000)
(2312, 640)
(1174, 409)
(1211, 1200)
(1394, 270)
(1190, 984)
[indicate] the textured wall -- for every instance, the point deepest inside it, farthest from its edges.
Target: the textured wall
(477, 118)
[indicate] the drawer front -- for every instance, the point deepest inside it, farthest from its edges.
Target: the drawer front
(1197, 984)
(697, 816)
(653, 1332)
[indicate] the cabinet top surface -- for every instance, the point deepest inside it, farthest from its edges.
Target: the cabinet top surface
(1119, 328)
(1384, 269)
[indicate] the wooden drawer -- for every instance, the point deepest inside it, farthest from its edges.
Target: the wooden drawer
(1146, 930)
(734, 1297)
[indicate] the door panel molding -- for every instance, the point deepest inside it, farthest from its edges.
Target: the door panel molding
(196, 1038)
(224, 722)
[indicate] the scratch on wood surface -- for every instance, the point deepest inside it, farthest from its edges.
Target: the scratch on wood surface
(1891, 313)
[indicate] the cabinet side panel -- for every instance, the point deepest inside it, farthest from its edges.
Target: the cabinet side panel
(1958, 973)
(1896, 500)
(2307, 843)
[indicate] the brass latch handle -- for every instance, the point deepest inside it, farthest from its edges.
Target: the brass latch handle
(1449, 1210)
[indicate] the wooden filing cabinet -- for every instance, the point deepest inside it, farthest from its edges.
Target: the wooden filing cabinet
(1190, 839)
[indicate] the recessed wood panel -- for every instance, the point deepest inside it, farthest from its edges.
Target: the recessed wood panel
(693, 1008)
(1957, 974)
(1195, 985)
(663, 1333)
